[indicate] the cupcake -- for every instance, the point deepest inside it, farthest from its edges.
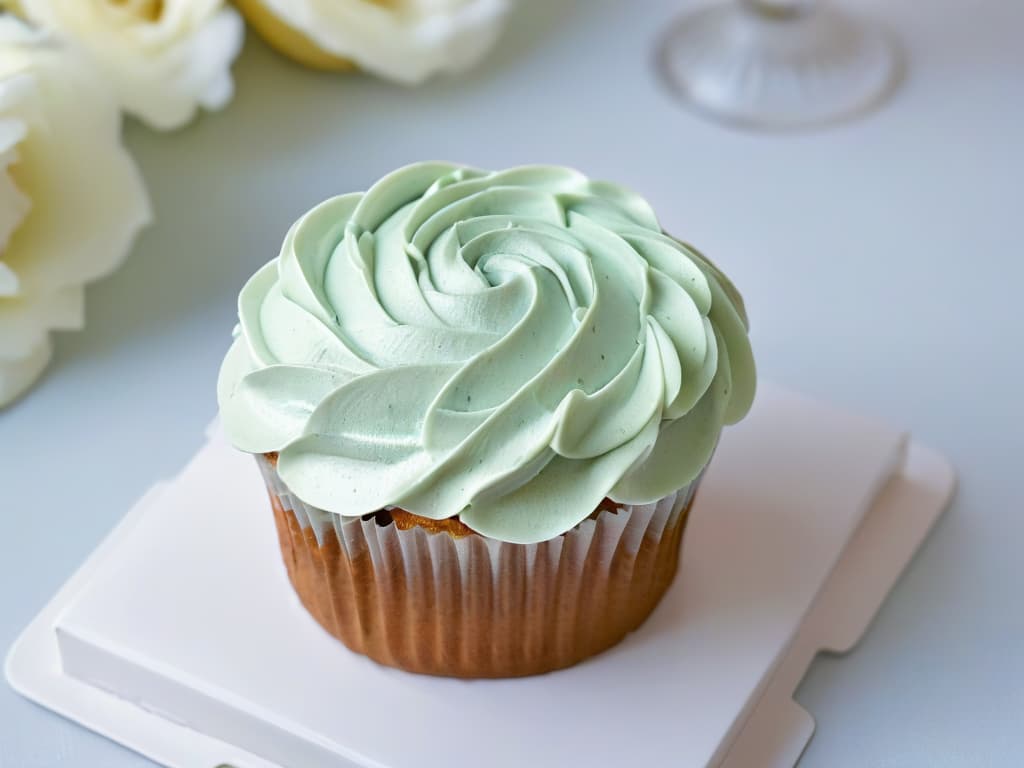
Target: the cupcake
(482, 403)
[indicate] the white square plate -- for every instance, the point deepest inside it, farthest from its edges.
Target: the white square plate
(181, 637)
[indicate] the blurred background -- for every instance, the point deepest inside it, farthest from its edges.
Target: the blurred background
(880, 259)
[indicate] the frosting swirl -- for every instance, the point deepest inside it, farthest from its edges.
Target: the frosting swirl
(507, 346)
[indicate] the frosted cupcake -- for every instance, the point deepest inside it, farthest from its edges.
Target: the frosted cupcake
(482, 403)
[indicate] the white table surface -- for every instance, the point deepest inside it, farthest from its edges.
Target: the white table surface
(881, 260)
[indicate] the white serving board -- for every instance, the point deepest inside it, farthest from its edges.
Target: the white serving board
(181, 638)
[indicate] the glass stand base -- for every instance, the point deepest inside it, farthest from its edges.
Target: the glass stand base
(747, 66)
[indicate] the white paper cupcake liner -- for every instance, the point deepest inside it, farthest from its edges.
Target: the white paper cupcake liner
(471, 606)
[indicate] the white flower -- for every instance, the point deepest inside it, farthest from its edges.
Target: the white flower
(163, 58)
(71, 198)
(403, 40)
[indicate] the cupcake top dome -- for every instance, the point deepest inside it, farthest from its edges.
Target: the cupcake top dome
(510, 347)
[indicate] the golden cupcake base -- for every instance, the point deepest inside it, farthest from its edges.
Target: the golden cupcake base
(429, 602)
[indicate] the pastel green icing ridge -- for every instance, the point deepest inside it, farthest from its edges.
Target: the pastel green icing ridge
(507, 346)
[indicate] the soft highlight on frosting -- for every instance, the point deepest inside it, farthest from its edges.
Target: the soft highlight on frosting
(510, 347)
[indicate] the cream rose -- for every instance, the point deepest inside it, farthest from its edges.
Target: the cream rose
(163, 58)
(71, 198)
(403, 40)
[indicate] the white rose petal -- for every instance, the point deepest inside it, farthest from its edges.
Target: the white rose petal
(164, 58)
(403, 40)
(71, 198)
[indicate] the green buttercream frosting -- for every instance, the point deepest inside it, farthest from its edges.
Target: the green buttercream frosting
(510, 347)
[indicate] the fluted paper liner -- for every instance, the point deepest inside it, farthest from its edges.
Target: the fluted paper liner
(472, 606)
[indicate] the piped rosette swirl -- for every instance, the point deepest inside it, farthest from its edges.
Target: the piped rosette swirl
(507, 347)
